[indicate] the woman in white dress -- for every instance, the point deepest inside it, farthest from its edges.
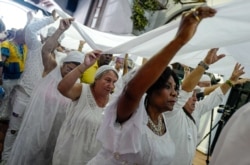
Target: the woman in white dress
(45, 110)
(76, 143)
(134, 130)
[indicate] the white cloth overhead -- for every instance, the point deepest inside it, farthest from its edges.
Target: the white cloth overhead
(42, 4)
(228, 30)
(95, 39)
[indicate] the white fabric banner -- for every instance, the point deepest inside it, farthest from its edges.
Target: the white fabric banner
(228, 30)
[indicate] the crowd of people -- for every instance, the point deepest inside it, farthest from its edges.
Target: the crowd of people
(82, 110)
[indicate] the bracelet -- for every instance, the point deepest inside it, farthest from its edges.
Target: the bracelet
(229, 82)
(204, 65)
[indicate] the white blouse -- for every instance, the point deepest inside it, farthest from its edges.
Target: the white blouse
(76, 143)
(132, 142)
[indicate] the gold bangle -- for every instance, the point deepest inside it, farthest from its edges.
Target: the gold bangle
(229, 82)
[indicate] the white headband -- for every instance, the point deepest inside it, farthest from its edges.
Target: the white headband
(104, 68)
(74, 56)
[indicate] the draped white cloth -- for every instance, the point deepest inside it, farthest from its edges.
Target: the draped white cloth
(44, 115)
(228, 30)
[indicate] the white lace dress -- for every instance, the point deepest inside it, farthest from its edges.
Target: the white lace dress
(76, 143)
(132, 142)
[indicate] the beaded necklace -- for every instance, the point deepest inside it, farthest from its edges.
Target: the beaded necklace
(158, 129)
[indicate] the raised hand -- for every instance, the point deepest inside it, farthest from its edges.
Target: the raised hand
(237, 72)
(212, 56)
(65, 23)
(190, 21)
(242, 81)
(91, 57)
(55, 17)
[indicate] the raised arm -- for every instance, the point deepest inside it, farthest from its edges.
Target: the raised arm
(153, 68)
(50, 45)
(125, 64)
(81, 44)
(193, 78)
(33, 27)
(234, 79)
(68, 86)
(208, 90)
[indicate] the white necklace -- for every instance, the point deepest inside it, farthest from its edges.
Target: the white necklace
(159, 128)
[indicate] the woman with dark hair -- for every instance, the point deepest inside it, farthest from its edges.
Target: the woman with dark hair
(134, 133)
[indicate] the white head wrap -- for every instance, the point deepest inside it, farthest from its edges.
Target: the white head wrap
(205, 77)
(104, 68)
(51, 31)
(74, 56)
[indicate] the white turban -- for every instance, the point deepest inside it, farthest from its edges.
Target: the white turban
(104, 68)
(205, 77)
(51, 31)
(74, 56)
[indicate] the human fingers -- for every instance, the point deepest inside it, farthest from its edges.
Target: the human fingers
(212, 56)
(203, 12)
(55, 17)
(189, 22)
(216, 57)
(97, 51)
(65, 23)
(243, 80)
(68, 20)
(95, 54)
(237, 72)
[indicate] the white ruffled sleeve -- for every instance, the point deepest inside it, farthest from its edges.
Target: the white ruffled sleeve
(125, 138)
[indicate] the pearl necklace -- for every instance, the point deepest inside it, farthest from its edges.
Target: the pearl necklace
(158, 129)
